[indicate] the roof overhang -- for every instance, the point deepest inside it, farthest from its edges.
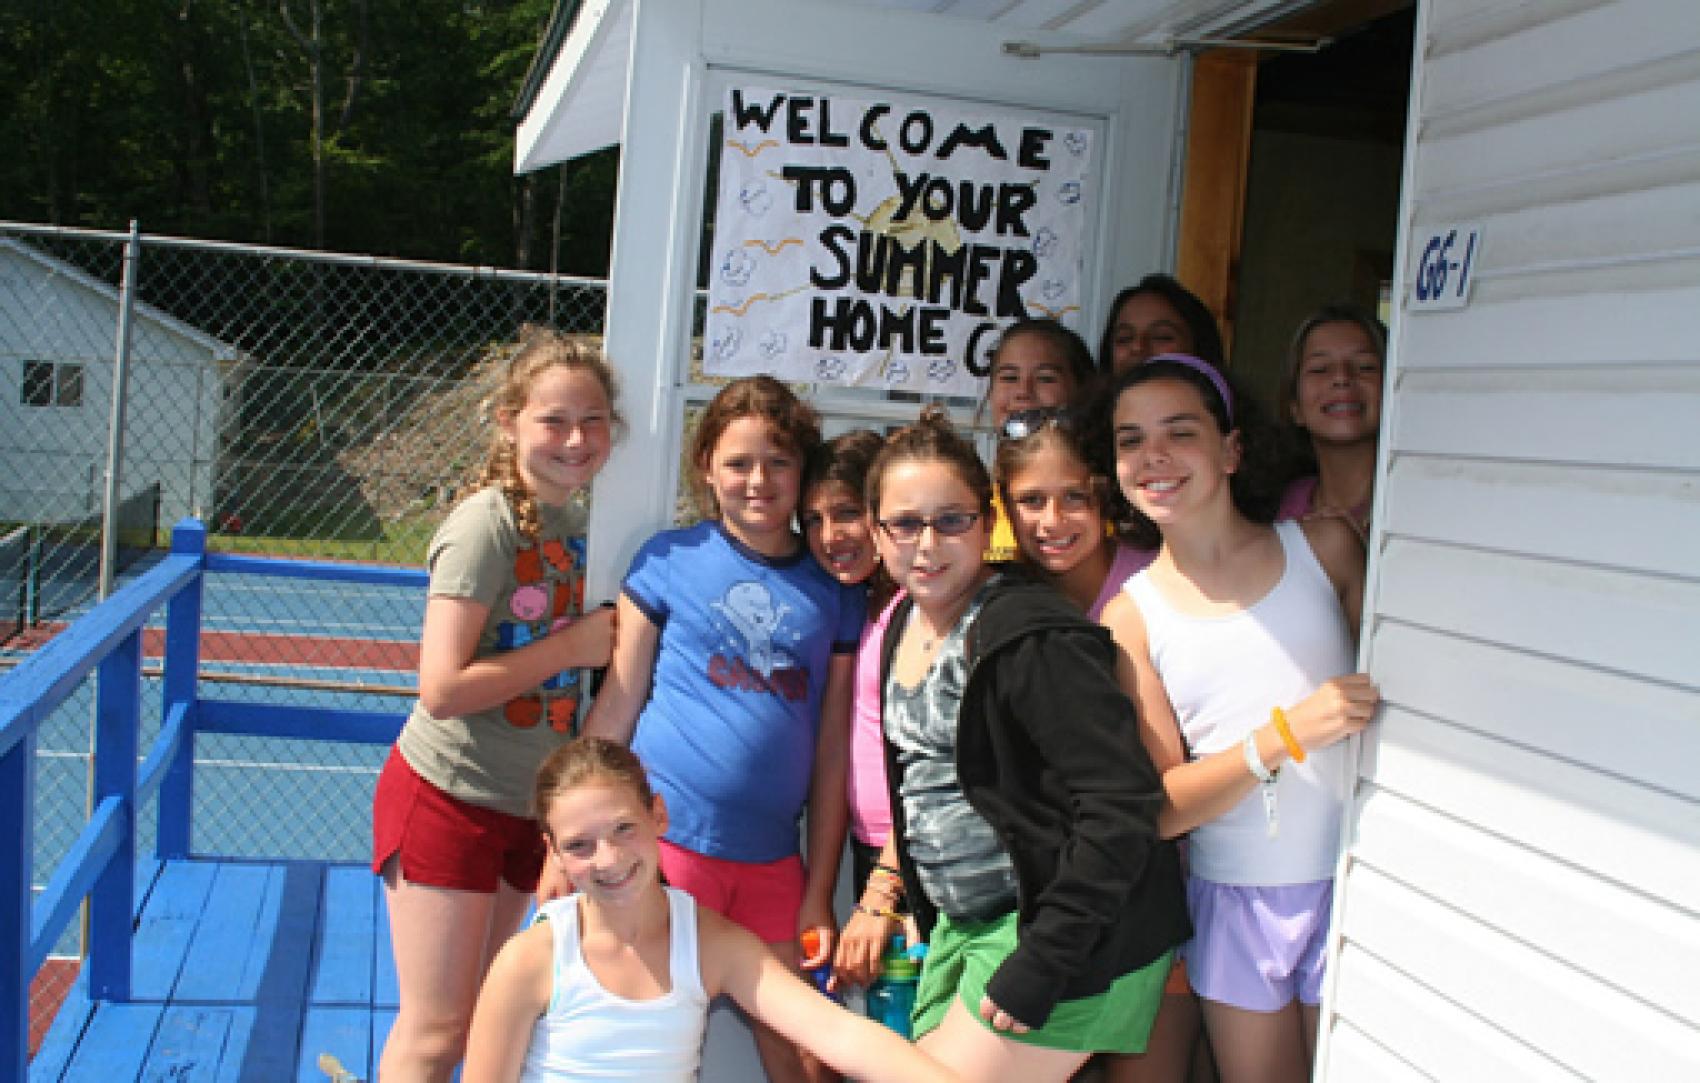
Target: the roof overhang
(574, 98)
(577, 104)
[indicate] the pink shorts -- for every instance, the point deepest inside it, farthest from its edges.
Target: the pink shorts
(446, 842)
(763, 897)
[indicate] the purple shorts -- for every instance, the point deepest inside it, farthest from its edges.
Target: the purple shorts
(1258, 948)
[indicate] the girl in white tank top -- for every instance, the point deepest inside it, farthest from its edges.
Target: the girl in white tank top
(615, 983)
(1238, 643)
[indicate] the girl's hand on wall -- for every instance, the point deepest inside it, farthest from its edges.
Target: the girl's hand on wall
(1337, 709)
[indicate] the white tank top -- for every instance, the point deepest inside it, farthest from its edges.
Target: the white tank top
(588, 1033)
(1223, 675)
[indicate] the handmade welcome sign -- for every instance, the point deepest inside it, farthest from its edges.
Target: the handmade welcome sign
(883, 244)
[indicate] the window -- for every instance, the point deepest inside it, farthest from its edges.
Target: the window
(46, 383)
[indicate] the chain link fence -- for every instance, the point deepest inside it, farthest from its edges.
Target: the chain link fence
(301, 404)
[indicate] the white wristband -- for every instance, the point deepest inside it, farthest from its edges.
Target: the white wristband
(1254, 762)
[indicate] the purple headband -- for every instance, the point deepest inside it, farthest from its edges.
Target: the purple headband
(1207, 370)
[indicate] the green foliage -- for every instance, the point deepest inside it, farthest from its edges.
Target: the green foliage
(198, 119)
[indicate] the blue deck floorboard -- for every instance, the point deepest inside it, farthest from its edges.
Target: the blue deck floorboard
(243, 970)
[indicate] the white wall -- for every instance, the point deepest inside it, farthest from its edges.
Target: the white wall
(56, 456)
(1521, 894)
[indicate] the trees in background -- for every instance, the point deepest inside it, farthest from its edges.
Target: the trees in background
(378, 126)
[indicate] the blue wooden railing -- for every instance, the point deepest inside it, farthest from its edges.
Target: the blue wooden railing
(100, 865)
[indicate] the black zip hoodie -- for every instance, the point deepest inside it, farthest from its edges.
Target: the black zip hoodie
(1048, 751)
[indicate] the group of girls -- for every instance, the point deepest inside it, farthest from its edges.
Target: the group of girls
(971, 722)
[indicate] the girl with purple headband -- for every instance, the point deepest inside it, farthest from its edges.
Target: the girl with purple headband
(1237, 644)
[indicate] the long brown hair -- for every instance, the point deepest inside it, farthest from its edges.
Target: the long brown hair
(539, 349)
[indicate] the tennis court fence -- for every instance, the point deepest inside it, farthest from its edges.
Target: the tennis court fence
(51, 569)
(301, 404)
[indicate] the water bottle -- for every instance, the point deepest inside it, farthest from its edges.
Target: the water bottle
(891, 997)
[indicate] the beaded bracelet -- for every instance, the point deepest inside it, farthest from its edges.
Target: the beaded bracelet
(888, 914)
(884, 898)
(885, 877)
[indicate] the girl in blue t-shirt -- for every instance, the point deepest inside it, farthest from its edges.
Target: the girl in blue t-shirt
(731, 677)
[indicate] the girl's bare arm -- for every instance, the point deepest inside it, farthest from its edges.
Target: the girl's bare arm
(739, 965)
(624, 691)
(515, 993)
(829, 804)
(1200, 790)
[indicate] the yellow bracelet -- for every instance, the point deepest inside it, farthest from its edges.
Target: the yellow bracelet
(888, 914)
(1295, 751)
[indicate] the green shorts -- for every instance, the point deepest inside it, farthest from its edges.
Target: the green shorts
(962, 956)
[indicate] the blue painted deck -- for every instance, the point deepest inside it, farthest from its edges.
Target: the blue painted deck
(200, 966)
(243, 970)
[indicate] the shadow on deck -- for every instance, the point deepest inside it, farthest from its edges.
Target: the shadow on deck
(243, 970)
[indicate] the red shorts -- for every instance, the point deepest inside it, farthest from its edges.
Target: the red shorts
(446, 842)
(763, 897)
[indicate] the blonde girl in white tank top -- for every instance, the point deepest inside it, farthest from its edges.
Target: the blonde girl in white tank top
(1255, 631)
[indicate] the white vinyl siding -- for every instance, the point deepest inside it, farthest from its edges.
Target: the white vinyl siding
(1521, 893)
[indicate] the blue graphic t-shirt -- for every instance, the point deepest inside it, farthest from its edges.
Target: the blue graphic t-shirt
(728, 733)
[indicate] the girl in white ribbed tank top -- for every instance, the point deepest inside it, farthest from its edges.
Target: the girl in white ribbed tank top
(1237, 645)
(616, 983)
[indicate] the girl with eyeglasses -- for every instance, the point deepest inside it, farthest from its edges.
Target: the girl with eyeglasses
(731, 678)
(1023, 804)
(1238, 645)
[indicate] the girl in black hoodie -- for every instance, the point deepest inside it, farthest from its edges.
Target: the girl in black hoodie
(1024, 806)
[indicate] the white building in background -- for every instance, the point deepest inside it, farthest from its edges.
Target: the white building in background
(58, 325)
(1520, 894)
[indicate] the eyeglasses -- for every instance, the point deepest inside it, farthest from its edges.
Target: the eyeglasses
(1024, 423)
(905, 529)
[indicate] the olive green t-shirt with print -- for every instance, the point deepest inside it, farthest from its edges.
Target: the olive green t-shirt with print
(489, 758)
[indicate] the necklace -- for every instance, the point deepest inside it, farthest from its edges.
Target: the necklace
(929, 641)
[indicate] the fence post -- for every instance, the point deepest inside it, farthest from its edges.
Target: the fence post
(120, 391)
(17, 807)
(118, 701)
(182, 670)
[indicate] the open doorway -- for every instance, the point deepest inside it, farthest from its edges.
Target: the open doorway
(1322, 140)
(1322, 188)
